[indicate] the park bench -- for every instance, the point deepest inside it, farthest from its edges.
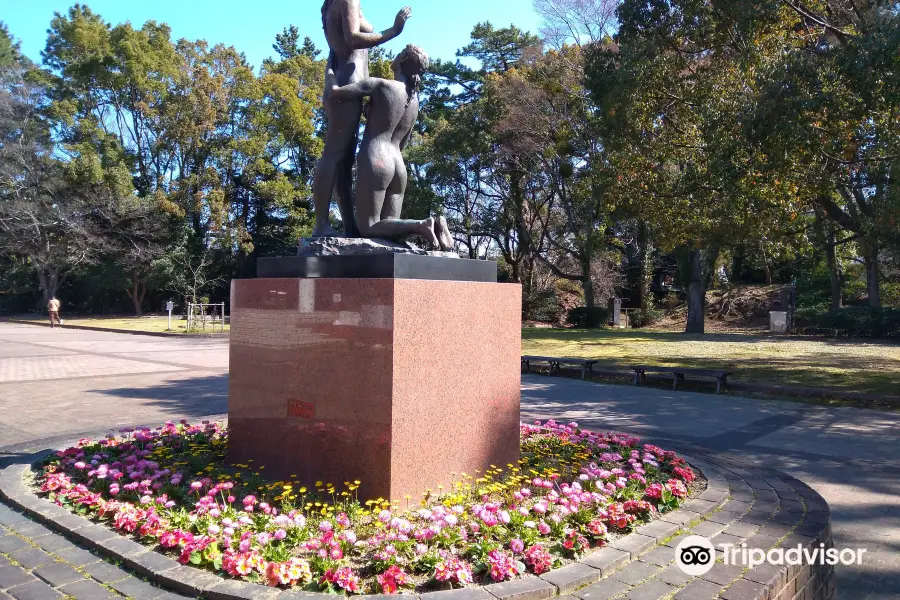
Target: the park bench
(679, 373)
(585, 364)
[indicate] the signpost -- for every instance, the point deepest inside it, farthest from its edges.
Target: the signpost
(169, 306)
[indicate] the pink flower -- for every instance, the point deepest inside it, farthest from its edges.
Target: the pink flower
(343, 578)
(392, 579)
(517, 546)
(502, 565)
(677, 488)
(685, 473)
(538, 559)
(453, 570)
(654, 491)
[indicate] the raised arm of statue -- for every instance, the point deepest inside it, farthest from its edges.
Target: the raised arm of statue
(355, 26)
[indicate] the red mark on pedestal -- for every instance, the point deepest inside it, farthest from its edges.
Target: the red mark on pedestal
(301, 409)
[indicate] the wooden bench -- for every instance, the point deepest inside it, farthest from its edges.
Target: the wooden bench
(679, 373)
(555, 363)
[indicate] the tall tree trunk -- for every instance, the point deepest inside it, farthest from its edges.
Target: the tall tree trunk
(48, 279)
(136, 294)
(646, 267)
(766, 267)
(587, 284)
(869, 247)
(701, 264)
(834, 271)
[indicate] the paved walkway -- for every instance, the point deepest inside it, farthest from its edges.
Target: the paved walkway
(97, 380)
(57, 384)
(848, 455)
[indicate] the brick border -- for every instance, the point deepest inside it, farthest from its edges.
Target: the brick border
(742, 504)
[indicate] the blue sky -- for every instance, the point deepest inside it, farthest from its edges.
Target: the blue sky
(439, 26)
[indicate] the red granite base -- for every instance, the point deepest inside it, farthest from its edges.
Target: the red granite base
(398, 383)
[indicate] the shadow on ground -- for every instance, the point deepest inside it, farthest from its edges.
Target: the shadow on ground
(191, 398)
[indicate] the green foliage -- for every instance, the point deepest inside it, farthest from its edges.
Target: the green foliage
(852, 321)
(890, 294)
(9, 50)
(583, 317)
(644, 318)
(745, 130)
(544, 306)
(158, 135)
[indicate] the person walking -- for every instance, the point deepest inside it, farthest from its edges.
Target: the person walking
(53, 309)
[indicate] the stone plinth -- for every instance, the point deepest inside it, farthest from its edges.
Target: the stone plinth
(387, 265)
(395, 382)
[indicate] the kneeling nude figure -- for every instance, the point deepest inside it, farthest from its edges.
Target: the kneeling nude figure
(381, 173)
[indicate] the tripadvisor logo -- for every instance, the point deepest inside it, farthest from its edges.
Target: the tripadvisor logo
(695, 555)
(753, 557)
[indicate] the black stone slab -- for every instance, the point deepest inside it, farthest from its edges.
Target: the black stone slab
(377, 266)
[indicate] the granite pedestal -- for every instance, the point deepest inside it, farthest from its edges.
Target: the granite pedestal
(396, 382)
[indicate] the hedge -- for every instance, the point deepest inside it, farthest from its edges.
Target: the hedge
(852, 321)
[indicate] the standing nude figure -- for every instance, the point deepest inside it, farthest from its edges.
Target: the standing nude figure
(349, 37)
(381, 173)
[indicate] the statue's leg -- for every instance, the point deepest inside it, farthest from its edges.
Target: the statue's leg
(391, 228)
(334, 171)
(393, 203)
(372, 182)
(442, 230)
(351, 112)
(391, 225)
(323, 184)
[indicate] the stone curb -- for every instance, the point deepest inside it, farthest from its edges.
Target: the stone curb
(128, 331)
(769, 507)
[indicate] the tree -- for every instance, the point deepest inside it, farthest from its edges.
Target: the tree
(189, 271)
(197, 133)
(672, 90)
(41, 219)
(548, 126)
(825, 115)
(578, 22)
(489, 195)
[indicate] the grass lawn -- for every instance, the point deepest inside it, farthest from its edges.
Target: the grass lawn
(152, 324)
(867, 366)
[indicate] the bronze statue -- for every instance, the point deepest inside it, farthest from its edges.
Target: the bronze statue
(381, 173)
(349, 37)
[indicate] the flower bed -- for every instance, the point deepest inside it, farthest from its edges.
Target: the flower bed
(573, 490)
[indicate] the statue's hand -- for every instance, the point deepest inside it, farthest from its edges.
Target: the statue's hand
(331, 91)
(400, 21)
